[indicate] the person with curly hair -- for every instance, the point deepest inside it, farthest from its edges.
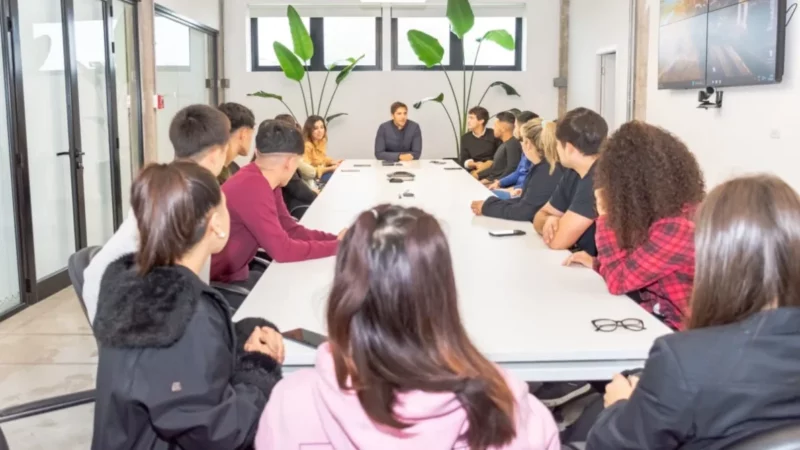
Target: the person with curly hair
(648, 185)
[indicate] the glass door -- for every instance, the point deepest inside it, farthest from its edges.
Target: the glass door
(185, 70)
(10, 295)
(97, 126)
(54, 159)
(128, 98)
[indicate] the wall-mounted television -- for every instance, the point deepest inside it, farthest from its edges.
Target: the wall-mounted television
(720, 43)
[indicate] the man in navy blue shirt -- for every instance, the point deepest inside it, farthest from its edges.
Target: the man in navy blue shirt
(399, 139)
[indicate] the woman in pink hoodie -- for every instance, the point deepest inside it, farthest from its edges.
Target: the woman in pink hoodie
(399, 371)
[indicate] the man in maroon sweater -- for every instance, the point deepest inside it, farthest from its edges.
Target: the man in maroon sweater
(259, 217)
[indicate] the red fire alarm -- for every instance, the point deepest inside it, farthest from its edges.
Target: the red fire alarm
(160, 102)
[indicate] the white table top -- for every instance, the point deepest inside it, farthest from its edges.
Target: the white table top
(520, 306)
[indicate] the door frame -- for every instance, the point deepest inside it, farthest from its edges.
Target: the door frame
(212, 83)
(599, 74)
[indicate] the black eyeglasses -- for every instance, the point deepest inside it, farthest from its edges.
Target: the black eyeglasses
(609, 325)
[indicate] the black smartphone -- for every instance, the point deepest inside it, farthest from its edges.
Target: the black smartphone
(305, 337)
(507, 233)
(453, 168)
(438, 162)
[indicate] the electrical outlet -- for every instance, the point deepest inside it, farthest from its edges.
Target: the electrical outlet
(775, 134)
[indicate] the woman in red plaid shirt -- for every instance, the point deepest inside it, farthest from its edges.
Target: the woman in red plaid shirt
(647, 187)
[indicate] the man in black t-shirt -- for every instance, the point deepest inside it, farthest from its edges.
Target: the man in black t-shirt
(479, 145)
(567, 220)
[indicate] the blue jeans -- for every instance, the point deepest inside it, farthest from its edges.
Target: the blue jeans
(326, 177)
(502, 195)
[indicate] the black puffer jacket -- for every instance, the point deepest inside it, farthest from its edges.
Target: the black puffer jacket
(172, 374)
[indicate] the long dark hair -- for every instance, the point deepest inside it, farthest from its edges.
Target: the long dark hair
(747, 251)
(171, 203)
(308, 128)
(394, 325)
(646, 174)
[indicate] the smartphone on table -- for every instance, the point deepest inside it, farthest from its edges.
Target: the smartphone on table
(305, 337)
(507, 233)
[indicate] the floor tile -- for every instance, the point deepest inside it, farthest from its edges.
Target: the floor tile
(28, 383)
(48, 349)
(68, 429)
(19, 320)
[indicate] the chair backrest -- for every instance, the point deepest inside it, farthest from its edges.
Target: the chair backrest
(3, 443)
(782, 438)
(76, 265)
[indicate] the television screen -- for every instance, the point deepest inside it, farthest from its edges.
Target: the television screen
(745, 42)
(682, 46)
(676, 10)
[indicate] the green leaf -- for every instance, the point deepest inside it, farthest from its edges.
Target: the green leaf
(290, 64)
(438, 99)
(462, 19)
(426, 47)
(500, 37)
(263, 94)
(506, 87)
(301, 40)
(349, 68)
(334, 116)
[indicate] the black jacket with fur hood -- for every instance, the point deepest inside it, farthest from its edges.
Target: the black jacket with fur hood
(171, 372)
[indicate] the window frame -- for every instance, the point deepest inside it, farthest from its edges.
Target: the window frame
(457, 53)
(317, 63)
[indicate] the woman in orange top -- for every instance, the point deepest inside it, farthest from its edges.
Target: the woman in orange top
(315, 133)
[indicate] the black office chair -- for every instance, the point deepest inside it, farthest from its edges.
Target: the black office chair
(782, 438)
(3, 443)
(76, 265)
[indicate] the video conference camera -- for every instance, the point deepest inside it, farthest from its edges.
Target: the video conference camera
(704, 98)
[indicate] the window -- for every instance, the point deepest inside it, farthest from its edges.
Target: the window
(458, 54)
(172, 47)
(335, 40)
(272, 29)
(491, 55)
(347, 37)
(438, 27)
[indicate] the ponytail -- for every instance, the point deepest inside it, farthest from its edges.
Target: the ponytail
(548, 143)
(394, 326)
(170, 203)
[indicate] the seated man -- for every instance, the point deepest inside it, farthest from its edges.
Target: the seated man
(399, 139)
(199, 133)
(259, 218)
(512, 185)
(479, 145)
(567, 221)
(508, 155)
(243, 124)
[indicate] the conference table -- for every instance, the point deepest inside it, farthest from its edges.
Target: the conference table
(521, 307)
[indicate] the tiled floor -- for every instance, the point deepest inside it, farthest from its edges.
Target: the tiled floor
(48, 350)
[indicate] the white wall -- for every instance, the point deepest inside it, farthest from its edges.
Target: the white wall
(366, 96)
(204, 11)
(598, 26)
(755, 131)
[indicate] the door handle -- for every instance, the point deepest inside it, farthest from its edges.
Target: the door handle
(79, 154)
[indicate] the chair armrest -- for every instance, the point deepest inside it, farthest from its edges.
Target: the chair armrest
(233, 289)
(261, 262)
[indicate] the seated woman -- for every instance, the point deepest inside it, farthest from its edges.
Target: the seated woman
(173, 370)
(733, 375)
(541, 147)
(648, 186)
(399, 139)
(315, 134)
(382, 384)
